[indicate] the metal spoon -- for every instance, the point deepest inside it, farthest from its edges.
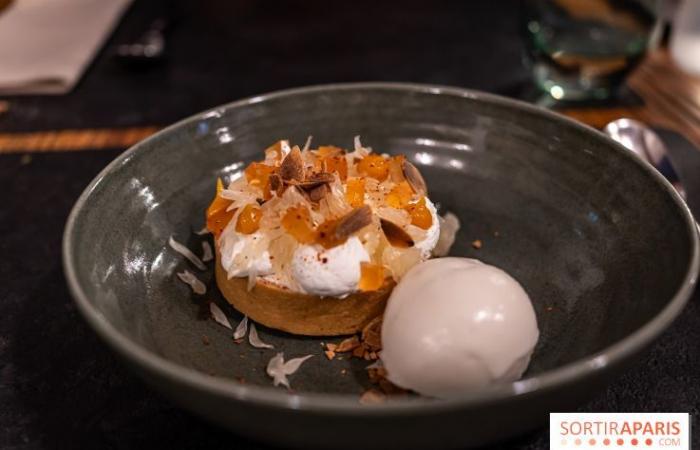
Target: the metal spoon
(645, 143)
(676, 158)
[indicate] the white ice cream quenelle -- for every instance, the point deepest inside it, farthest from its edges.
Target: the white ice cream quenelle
(453, 325)
(330, 272)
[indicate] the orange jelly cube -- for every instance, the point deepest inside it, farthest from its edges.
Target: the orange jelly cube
(336, 164)
(217, 216)
(325, 234)
(328, 150)
(258, 174)
(371, 276)
(355, 192)
(374, 166)
(400, 195)
(249, 220)
(420, 214)
(297, 222)
(275, 149)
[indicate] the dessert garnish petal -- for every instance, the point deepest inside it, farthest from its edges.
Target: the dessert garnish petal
(241, 329)
(218, 315)
(278, 370)
(255, 340)
(187, 253)
(193, 282)
(202, 232)
(207, 254)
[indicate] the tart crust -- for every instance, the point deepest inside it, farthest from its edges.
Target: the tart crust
(304, 314)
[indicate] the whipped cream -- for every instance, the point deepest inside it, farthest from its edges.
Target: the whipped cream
(315, 270)
(432, 234)
(333, 272)
(232, 244)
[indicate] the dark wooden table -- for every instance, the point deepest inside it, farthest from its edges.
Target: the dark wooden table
(62, 388)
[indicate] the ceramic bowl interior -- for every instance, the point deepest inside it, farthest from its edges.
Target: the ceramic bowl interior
(605, 249)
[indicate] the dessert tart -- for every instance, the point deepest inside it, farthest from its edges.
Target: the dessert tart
(312, 241)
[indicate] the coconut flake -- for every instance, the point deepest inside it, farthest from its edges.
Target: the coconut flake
(307, 145)
(254, 339)
(361, 151)
(278, 370)
(252, 278)
(207, 254)
(218, 315)
(187, 253)
(285, 148)
(449, 225)
(202, 232)
(188, 278)
(241, 329)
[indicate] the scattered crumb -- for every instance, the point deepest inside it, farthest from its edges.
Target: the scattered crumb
(378, 377)
(376, 374)
(348, 344)
(496, 234)
(344, 371)
(322, 344)
(205, 340)
(330, 354)
(549, 308)
(372, 334)
(331, 347)
(372, 397)
(358, 352)
(477, 244)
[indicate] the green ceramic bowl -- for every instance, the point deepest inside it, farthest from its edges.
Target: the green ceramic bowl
(604, 246)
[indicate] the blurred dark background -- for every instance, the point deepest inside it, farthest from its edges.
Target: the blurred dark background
(219, 51)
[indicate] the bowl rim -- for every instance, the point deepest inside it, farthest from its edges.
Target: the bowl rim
(343, 404)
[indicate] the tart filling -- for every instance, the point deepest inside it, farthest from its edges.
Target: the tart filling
(324, 221)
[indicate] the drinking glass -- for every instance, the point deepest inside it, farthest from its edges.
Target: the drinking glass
(584, 49)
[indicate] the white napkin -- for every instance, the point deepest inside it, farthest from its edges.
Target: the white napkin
(46, 45)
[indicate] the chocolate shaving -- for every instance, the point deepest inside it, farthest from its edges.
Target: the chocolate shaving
(396, 235)
(317, 193)
(292, 167)
(414, 178)
(353, 221)
(275, 182)
(315, 180)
